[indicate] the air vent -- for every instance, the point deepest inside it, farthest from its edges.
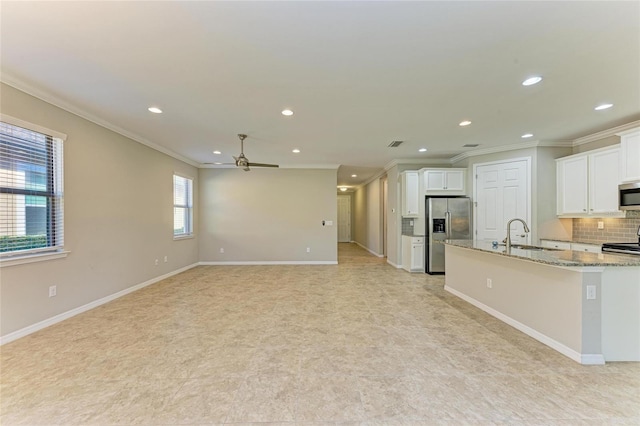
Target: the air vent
(395, 144)
(470, 145)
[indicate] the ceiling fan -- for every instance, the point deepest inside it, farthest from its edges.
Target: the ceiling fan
(242, 161)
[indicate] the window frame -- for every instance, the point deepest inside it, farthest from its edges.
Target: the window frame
(188, 206)
(54, 193)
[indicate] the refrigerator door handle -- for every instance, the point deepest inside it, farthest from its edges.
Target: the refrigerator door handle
(447, 230)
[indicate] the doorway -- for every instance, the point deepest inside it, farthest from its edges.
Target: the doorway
(344, 218)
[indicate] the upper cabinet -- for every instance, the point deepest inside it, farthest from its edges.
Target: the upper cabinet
(630, 155)
(410, 193)
(587, 184)
(444, 181)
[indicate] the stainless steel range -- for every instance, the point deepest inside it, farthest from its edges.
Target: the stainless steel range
(626, 248)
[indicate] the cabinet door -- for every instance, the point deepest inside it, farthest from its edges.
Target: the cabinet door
(572, 180)
(454, 180)
(417, 257)
(562, 245)
(630, 157)
(434, 180)
(589, 248)
(603, 181)
(411, 193)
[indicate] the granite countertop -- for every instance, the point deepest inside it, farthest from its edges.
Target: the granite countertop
(564, 258)
(412, 235)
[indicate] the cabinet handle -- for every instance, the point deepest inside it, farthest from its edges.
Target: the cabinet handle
(584, 210)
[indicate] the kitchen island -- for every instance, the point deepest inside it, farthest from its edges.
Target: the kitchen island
(584, 305)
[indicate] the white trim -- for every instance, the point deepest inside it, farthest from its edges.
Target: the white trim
(33, 127)
(53, 100)
(32, 258)
(606, 133)
(268, 262)
(369, 250)
(393, 264)
(512, 147)
(586, 359)
(73, 312)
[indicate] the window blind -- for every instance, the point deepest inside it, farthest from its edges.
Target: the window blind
(31, 191)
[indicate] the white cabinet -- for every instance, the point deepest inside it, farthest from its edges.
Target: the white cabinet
(630, 155)
(562, 245)
(566, 245)
(587, 184)
(410, 193)
(589, 248)
(412, 253)
(444, 181)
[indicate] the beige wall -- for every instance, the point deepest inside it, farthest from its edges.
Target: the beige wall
(270, 215)
(118, 219)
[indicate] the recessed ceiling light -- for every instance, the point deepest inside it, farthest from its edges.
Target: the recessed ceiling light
(422, 150)
(465, 123)
(526, 135)
(155, 110)
(217, 152)
(603, 106)
(354, 175)
(343, 189)
(287, 112)
(532, 80)
(217, 164)
(296, 151)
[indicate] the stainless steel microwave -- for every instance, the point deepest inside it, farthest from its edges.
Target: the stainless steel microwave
(629, 196)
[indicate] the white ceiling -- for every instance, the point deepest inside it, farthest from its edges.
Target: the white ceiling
(358, 75)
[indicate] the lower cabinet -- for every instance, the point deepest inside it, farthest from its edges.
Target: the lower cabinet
(566, 245)
(412, 253)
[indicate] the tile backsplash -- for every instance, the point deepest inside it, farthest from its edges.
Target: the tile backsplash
(615, 230)
(407, 226)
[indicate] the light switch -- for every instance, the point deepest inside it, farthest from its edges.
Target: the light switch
(329, 223)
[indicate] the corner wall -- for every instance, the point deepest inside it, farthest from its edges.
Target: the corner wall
(118, 207)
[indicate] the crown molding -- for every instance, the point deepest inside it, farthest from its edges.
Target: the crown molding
(512, 147)
(606, 133)
(55, 101)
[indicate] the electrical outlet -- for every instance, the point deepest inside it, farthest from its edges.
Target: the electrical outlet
(489, 283)
(53, 290)
(308, 249)
(591, 292)
(221, 250)
(156, 262)
(166, 259)
(600, 224)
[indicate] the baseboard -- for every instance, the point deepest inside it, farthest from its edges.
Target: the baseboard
(369, 250)
(270, 262)
(393, 264)
(73, 312)
(587, 359)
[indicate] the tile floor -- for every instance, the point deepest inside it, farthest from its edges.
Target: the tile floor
(358, 343)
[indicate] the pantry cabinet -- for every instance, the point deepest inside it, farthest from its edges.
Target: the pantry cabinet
(630, 155)
(410, 182)
(587, 184)
(444, 181)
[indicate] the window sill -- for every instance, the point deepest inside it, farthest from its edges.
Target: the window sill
(183, 237)
(32, 258)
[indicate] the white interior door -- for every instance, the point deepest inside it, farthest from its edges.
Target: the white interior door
(502, 193)
(344, 218)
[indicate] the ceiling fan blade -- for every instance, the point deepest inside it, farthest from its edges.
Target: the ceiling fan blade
(263, 165)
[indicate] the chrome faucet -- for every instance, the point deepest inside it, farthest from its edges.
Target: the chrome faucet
(507, 240)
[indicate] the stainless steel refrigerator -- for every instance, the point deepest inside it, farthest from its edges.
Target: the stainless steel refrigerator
(446, 218)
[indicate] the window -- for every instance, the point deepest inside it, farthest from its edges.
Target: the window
(182, 206)
(31, 192)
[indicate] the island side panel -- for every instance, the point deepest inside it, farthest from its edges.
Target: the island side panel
(544, 299)
(621, 314)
